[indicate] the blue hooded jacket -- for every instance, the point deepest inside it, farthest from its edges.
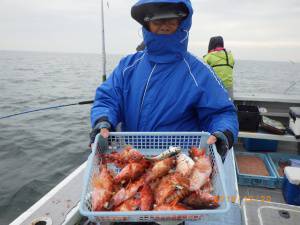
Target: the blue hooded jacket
(165, 88)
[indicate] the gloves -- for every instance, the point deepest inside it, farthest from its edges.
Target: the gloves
(224, 142)
(101, 123)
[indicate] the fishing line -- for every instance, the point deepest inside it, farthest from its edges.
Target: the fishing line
(290, 87)
(47, 108)
(79, 103)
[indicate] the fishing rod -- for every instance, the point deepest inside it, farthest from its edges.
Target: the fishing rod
(47, 108)
(103, 43)
(103, 76)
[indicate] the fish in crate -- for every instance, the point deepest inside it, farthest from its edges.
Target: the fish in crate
(102, 188)
(121, 159)
(171, 180)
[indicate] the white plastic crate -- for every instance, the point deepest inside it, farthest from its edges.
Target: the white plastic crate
(153, 143)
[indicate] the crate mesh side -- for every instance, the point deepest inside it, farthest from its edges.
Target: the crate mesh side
(158, 144)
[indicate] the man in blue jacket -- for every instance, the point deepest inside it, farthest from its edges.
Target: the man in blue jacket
(164, 87)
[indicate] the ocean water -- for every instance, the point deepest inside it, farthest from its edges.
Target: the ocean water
(263, 77)
(38, 150)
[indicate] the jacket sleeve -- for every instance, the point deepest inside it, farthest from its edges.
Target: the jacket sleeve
(216, 112)
(108, 99)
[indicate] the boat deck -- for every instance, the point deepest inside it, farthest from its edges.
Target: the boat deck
(258, 193)
(60, 205)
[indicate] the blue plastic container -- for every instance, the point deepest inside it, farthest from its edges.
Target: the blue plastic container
(291, 186)
(275, 158)
(153, 143)
(260, 145)
(256, 180)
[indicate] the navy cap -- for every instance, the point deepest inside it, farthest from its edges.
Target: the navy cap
(155, 11)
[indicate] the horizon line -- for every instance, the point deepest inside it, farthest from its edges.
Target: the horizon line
(121, 54)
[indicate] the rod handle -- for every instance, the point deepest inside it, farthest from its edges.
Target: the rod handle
(86, 102)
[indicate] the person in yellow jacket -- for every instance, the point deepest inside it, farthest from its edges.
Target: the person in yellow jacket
(221, 61)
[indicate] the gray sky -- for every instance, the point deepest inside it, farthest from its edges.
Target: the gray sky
(252, 29)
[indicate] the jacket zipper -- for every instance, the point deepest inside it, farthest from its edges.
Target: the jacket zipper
(145, 90)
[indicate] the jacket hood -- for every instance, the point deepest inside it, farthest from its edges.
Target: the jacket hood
(162, 48)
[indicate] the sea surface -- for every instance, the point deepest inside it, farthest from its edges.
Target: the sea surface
(40, 149)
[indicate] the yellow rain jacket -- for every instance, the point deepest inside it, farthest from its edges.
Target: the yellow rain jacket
(222, 62)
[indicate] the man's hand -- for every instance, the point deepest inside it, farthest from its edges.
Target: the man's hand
(223, 144)
(101, 127)
(211, 140)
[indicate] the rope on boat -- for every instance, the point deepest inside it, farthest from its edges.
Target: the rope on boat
(47, 108)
